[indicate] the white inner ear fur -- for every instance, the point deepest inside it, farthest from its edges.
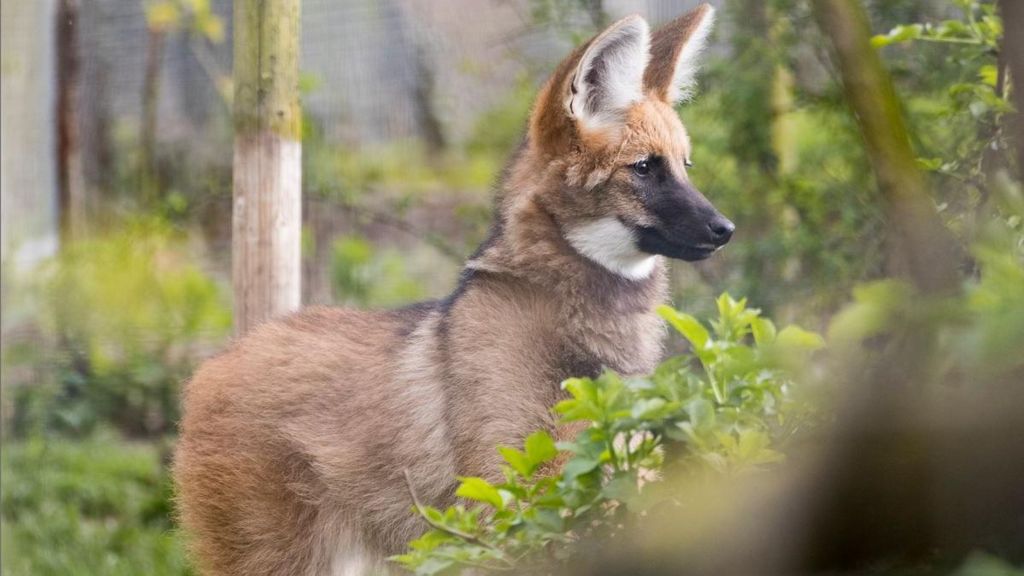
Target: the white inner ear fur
(611, 244)
(684, 81)
(610, 74)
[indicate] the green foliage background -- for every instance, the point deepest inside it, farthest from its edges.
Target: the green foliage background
(99, 506)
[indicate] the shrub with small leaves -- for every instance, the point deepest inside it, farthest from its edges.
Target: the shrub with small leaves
(126, 317)
(724, 409)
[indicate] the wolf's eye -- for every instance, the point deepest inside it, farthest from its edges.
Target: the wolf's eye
(643, 167)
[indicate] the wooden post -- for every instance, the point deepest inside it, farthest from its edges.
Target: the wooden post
(70, 180)
(267, 212)
(148, 184)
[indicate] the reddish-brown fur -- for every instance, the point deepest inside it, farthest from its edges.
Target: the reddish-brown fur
(296, 440)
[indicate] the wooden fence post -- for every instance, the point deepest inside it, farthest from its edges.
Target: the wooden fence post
(267, 211)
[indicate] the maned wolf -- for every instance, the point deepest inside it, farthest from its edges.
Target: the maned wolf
(296, 441)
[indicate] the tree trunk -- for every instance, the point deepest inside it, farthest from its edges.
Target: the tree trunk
(920, 245)
(783, 129)
(150, 103)
(1013, 47)
(267, 213)
(425, 95)
(883, 447)
(70, 181)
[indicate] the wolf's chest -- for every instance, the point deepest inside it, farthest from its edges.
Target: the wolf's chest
(628, 345)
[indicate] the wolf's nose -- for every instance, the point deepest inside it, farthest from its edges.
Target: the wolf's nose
(721, 229)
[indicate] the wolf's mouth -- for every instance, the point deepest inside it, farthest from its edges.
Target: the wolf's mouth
(653, 241)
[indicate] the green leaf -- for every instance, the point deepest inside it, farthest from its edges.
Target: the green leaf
(929, 164)
(701, 412)
(764, 331)
(648, 408)
(753, 448)
(581, 388)
(687, 325)
(517, 460)
(584, 402)
(434, 565)
(989, 75)
(480, 490)
(871, 312)
(728, 307)
(735, 362)
(547, 519)
(578, 467)
(539, 448)
(898, 34)
(575, 410)
(430, 540)
(952, 29)
(794, 337)
(433, 514)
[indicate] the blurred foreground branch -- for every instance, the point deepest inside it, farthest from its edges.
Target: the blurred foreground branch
(1013, 45)
(920, 243)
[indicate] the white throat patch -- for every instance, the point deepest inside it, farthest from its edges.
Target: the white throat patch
(609, 243)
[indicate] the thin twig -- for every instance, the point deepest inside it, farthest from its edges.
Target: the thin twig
(453, 531)
(385, 219)
(967, 41)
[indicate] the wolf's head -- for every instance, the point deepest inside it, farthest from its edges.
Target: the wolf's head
(604, 125)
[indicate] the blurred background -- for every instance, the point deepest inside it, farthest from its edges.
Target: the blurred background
(116, 201)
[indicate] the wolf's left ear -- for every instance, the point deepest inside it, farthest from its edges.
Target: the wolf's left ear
(610, 74)
(675, 54)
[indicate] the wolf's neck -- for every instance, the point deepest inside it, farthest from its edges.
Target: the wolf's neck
(528, 241)
(606, 315)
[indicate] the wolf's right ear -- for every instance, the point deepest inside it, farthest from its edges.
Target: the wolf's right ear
(610, 74)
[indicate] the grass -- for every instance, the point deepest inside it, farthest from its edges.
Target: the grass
(97, 506)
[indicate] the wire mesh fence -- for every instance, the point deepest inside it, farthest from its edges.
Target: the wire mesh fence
(374, 72)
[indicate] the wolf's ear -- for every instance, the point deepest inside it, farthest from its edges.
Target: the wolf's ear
(675, 54)
(610, 74)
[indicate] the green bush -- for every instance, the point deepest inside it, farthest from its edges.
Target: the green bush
(725, 409)
(126, 316)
